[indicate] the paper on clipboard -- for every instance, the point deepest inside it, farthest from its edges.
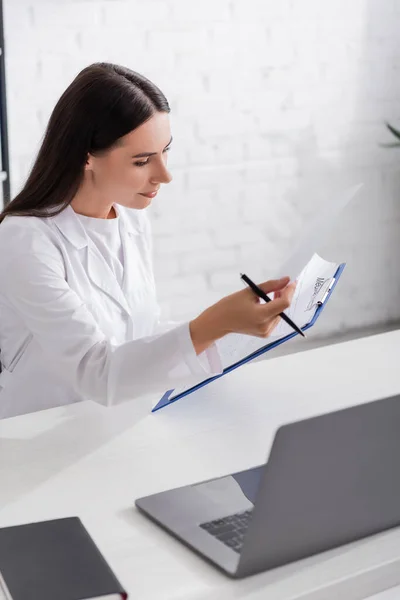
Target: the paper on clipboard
(316, 233)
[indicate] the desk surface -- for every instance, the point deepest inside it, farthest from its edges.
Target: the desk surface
(93, 462)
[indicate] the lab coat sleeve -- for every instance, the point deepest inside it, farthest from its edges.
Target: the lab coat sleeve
(210, 359)
(34, 283)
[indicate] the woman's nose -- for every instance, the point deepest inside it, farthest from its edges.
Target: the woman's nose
(162, 174)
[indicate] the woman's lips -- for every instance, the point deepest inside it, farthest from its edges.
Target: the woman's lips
(149, 194)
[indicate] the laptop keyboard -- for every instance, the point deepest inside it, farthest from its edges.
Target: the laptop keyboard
(230, 530)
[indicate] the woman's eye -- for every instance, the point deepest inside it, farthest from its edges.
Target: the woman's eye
(146, 162)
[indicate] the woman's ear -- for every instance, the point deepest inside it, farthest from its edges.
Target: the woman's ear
(89, 162)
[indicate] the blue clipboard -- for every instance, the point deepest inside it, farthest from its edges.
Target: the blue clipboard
(165, 401)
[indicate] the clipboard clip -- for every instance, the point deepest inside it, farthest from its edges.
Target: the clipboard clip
(324, 292)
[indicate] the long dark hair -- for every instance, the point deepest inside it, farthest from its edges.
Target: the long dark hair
(102, 104)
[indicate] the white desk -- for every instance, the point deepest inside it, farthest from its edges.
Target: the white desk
(93, 462)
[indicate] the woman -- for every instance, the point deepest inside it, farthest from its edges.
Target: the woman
(79, 317)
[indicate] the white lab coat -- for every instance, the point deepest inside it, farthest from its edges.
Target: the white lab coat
(69, 331)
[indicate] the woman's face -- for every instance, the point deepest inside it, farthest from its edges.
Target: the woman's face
(132, 172)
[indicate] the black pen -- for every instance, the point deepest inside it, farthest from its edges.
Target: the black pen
(258, 291)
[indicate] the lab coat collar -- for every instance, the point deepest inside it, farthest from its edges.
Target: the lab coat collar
(71, 227)
(97, 269)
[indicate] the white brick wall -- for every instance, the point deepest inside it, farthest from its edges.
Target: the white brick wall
(274, 102)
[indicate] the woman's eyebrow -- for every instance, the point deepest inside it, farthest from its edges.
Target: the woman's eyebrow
(146, 154)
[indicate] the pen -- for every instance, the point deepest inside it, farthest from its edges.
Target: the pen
(258, 291)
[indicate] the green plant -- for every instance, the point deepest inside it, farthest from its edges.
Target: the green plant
(396, 133)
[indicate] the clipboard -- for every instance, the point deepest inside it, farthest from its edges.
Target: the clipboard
(166, 401)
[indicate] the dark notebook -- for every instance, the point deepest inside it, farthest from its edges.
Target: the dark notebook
(54, 560)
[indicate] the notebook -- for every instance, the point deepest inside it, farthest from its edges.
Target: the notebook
(54, 560)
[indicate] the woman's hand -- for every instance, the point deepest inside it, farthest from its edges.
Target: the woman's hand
(242, 312)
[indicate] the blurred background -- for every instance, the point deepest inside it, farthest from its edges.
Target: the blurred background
(277, 107)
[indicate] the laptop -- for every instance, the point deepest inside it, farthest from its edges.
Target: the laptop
(329, 480)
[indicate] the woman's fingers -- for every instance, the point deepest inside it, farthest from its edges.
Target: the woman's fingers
(274, 285)
(269, 313)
